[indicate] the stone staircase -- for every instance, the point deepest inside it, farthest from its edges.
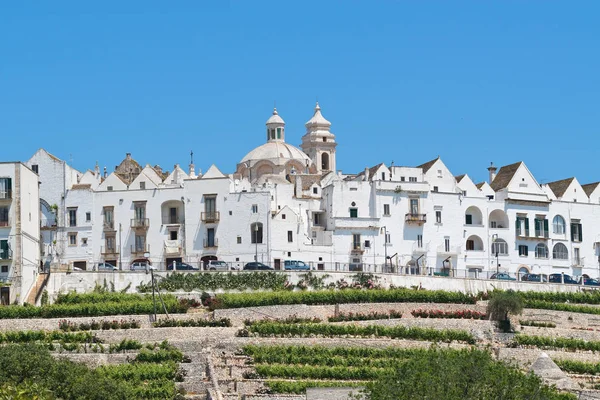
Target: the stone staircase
(36, 290)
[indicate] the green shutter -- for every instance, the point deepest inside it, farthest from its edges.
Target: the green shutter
(580, 233)
(572, 232)
(3, 249)
(526, 226)
(538, 226)
(545, 228)
(518, 224)
(9, 184)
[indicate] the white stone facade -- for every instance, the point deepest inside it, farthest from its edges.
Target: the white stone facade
(19, 231)
(296, 205)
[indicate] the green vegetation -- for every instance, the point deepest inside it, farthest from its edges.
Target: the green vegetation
(546, 305)
(299, 387)
(267, 328)
(578, 367)
(503, 303)
(365, 317)
(168, 323)
(240, 300)
(591, 297)
(218, 280)
(69, 326)
(547, 342)
(537, 324)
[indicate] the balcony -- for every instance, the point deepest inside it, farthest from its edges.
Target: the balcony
(420, 248)
(406, 187)
(47, 223)
(212, 216)
(349, 223)
(539, 235)
(4, 223)
(416, 219)
(107, 252)
(357, 248)
(210, 243)
(448, 250)
(108, 226)
(140, 250)
(5, 195)
(172, 220)
(6, 254)
(140, 223)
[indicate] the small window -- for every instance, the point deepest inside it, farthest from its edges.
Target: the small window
(73, 216)
(315, 190)
(354, 213)
(142, 185)
(88, 216)
(316, 219)
(282, 216)
(324, 139)
(289, 253)
(412, 179)
(468, 219)
(386, 209)
(435, 189)
(109, 188)
(237, 259)
(72, 239)
(84, 241)
(383, 176)
(439, 173)
(290, 236)
(4, 269)
(523, 250)
(254, 208)
(230, 212)
(35, 168)
(438, 217)
(464, 193)
(173, 235)
(402, 179)
(367, 244)
(388, 238)
(239, 240)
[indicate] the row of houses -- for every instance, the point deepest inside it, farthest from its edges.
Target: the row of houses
(288, 203)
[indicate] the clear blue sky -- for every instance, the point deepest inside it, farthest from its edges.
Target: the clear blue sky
(471, 81)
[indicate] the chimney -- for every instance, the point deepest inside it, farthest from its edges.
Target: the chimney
(176, 173)
(105, 173)
(492, 171)
(97, 170)
(192, 171)
(158, 169)
(366, 174)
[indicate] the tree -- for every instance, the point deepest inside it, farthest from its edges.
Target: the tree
(501, 304)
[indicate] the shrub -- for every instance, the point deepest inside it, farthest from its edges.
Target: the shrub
(67, 326)
(218, 280)
(365, 317)
(538, 324)
(299, 387)
(546, 342)
(503, 303)
(168, 323)
(462, 314)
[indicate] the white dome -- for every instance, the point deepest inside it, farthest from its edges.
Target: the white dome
(317, 120)
(277, 150)
(275, 118)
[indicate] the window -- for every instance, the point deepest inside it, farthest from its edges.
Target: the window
(383, 176)
(576, 231)
(3, 216)
(402, 179)
(576, 258)
(143, 185)
(439, 173)
(523, 250)
(35, 168)
(173, 215)
(110, 244)
(435, 189)
(438, 217)
(140, 211)
(4, 269)
(5, 188)
(290, 236)
(278, 133)
(230, 212)
(4, 250)
(356, 241)
(72, 239)
(256, 232)
(470, 244)
(354, 213)
(72, 216)
(239, 240)
(282, 216)
(468, 219)
(88, 216)
(447, 244)
(464, 193)
(541, 227)
(367, 244)
(386, 209)
(560, 252)
(316, 219)
(109, 218)
(315, 190)
(211, 241)
(522, 226)
(558, 225)
(541, 250)
(254, 208)
(140, 243)
(412, 178)
(493, 224)
(500, 247)
(420, 241)
(388, 238)
(414, 206)
(173, 235)
(84, 241)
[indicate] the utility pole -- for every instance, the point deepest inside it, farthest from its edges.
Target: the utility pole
(256, 242)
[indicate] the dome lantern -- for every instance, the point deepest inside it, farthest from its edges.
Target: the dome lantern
(275, 128)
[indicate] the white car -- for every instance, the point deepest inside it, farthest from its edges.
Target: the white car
(140, 266)
(216, 265)
(106, 267)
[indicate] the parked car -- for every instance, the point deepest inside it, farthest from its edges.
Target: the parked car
(534, 278)
(140, 266)
(105, 267)
(295, 265)
(217, 265)
(590, 282)
(257, 266)
(556, 278)
(503, 276)
(181, 266)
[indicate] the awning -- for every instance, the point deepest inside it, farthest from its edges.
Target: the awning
(171, 247)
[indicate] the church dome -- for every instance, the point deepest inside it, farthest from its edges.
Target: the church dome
(278, 153)
(275, 118)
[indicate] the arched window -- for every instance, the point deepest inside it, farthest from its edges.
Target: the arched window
(560, 252)
(325, 161)
(500, 247)
(558, 225)
(541, 250)
(256, 232)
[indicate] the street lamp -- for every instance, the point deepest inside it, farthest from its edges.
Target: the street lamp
(256, 242)
(385, 243)
(494, 239)
(120, 250)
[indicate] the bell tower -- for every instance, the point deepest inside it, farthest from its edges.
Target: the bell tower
(319, 143)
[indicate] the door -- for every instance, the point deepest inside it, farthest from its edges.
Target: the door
(210, 237)
(277, 263)
(173, 215)
(5, 296)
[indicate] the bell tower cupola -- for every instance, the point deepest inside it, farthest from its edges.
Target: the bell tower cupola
(275, 128)
(319, 143)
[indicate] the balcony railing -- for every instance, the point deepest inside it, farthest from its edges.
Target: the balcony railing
(140, 250)
(4, 223)
(5, 194)
(171, 220)
(46, 223)
(418, 219)
(140, 223)
(6, 254)
(105, 251)
(420, 247)
(357, 248)
(208, 244)
(443, 249)
(212, 216)
(109, 225)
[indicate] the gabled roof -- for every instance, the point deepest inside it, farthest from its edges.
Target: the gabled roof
(213, 172)
(425, 167)
(504, 176)
(590, 187)
(480, 185)
(372, 170)
(459, 177)
(560, 187)
(81, 186)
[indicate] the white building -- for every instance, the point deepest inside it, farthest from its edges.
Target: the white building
(288, 203)
(19, 231)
